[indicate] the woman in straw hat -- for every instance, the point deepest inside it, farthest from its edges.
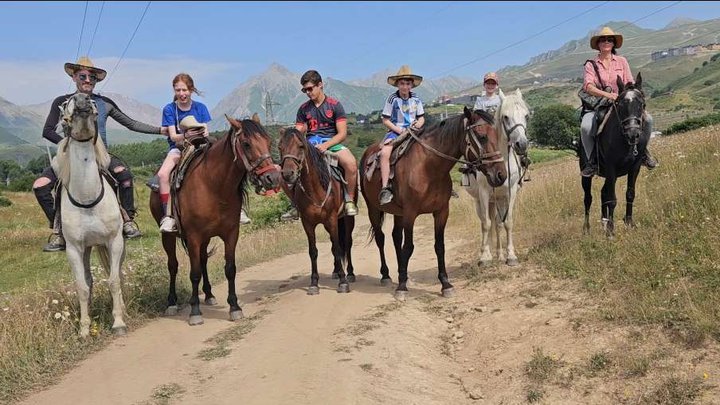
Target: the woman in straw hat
(403, 109)
(610, 66)
(86, 76)
(182, 117)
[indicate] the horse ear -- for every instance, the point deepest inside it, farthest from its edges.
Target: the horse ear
(620, 84)
(501, 94)
(638, 82)
(233, 122)
(256, 118)
(467, 112)
(518, 93)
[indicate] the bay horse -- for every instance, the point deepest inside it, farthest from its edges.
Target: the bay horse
(319, 200)
(423, 185)
(90, 210)
(209, 204)
(620, 145)
(495, 204)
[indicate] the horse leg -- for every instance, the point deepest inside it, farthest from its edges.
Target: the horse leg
(497, 224)
(407, 226)
(587, 189)
(170, 246)
(440, 222)
(483, 210)
(206, 287)
(512, 259)
(80, 265)
(376, 220)
(349, 227)
(397, 236)
(313, 253)
(609, 201)
(230, 271)
(331, 226)
(114, 252)
(630, 197)
(194, 247)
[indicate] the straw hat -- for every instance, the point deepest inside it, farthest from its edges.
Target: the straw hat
(404, 73)
(190, 122)
(491, 76)
(606, 32)
(85, 63)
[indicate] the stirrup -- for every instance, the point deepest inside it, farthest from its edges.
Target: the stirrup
(167, 225)
(386, 196)
(350, 209)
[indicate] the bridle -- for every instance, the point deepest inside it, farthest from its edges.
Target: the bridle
(300, 161)
(631, 122)
(252, 168)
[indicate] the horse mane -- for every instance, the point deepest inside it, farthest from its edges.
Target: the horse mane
(509, 103)
(102, 158)
(316, 158)
(449, 131)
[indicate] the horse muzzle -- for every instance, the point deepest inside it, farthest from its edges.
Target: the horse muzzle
(268, 178)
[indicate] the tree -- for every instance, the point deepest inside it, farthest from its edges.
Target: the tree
(555, 126)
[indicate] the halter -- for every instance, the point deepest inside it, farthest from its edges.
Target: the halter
(299, 162)
(253, 168)
(629, 123)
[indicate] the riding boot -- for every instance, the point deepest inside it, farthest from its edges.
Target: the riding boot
(127, 200)
(591, 166)
(648, 160)
(47, 201)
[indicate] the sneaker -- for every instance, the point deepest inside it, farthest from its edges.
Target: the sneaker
(131, 230)
(290, 215)
(386, 196)
(167, 225)
(55, 243)
(350, 209)
(589, 170)
(649, 161)
(244, 218)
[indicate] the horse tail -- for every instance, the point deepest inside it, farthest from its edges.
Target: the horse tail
(211, 251)
(104, 257)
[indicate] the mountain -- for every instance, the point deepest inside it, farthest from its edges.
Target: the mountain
(283, 87)
(677, 22)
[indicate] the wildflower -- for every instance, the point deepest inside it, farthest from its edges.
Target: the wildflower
(6, 309)
(66, 314)
(58, 315)
(55, 302)
(705, 376)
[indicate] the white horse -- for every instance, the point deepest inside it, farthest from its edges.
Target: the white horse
(90, 211)
(494, 205)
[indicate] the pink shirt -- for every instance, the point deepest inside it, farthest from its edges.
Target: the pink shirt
(618, 68)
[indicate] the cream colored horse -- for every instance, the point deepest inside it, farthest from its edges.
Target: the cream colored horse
(494, 205)
(90, 211)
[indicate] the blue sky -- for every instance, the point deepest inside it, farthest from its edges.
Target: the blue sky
(221, 44)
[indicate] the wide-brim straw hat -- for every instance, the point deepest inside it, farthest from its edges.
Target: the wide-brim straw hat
(85, 63)
(190, 122)
(491, 76)
(404, 73)
(606, 32)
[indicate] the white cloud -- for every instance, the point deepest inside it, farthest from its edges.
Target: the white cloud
(148, 80)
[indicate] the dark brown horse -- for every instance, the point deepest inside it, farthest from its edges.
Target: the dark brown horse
(423, 185)
(319, 200)
(209, 204)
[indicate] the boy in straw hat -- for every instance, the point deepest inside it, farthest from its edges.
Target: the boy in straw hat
(610, 66)
(86, 76)
(403, 109)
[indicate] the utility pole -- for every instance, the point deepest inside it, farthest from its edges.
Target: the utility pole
(269, 103)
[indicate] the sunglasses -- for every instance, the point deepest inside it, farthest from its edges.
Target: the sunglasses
(308, 89)
(606, 39)
(92, 77)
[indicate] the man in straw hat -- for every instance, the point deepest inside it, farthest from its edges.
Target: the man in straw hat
(610, 66)
(86, 76)
(403, 109)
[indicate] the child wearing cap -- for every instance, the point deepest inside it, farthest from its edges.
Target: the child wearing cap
(403, 109)
(181, 117)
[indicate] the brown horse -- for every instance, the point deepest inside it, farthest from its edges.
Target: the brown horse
(423, 185)
(319, 200)
(209, 204)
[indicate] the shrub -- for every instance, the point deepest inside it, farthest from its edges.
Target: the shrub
(555, 126)
(694, 123)
(709, 82)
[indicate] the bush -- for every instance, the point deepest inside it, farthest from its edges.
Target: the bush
(4, 201)
(704, 63)
(555, 126)
(363, 141)
(717, 106)
(694, 123)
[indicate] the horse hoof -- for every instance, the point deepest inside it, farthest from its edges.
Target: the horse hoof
(351, 278)
(313, 290)
(448, 292)
(401, 295)
(343, 288)
(236, 315)
(210, 301)
(386, 282)
(195, 320)
(512, 262)
(611, 237)
(335, 276)
(171, 310)
(120, 331)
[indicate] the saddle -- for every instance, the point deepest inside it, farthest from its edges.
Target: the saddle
(400, 145)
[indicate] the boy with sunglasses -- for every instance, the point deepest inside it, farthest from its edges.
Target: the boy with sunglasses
(86, 76)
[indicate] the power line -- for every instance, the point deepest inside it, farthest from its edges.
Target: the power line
(522, 40)
(651, 14)
(92, 40)
(128, 44)
(82, 28)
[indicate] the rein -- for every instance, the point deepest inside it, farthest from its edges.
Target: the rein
(483, 158)
(299, 161)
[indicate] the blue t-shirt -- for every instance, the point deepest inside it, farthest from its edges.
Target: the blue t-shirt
(172, 115)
